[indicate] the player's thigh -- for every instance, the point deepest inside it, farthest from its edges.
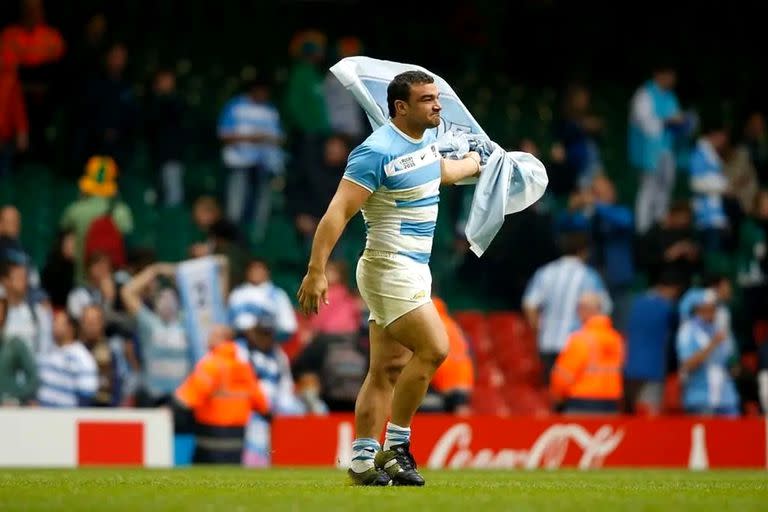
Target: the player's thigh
(422, 331)
(387, 356)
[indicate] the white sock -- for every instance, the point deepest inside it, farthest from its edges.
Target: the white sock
(363, 451)
(396, 435)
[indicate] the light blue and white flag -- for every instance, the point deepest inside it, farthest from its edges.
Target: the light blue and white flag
(510, 181)
(367, 79)
(201, 300)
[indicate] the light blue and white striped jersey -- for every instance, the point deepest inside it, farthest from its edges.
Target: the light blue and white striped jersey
(708, 183)
(709, 386)
(264, 299)
(555, 290)
(243, 116)
(273, 370)
(68, 376)
(166, 353)
(403, 175)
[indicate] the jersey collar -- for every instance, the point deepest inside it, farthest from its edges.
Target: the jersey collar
(404, 135)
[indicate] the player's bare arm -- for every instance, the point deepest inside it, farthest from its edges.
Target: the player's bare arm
(347, 201)
(453, 171)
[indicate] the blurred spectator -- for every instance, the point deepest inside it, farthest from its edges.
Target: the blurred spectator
(742, 176)
(269, 362)
(704, 351)
(108, 111)
(10, 229)
(165, 350)
(312, 197)
(259, 296)
(756, 142)
(221, 392)
(344, 309)
(18, 370)
(650, 329)
(58, 277)
(576, 133)
(709, 185)
(88, 52)
(165, 136)
(14, 126)
(610, 225)
(455, 378)
(207, 217)
(305, 113)
(11, 248)
(25, 318)
(671, 246)
(251, 133)
(68, 376)
(721, 286)
(553, 292)
(346, 117)
(98, 200)
(220, 236)
(586, 377)
(93, 336)
(654, 118)
(305, 107)
(330, 371)
(98, 288)
(752, 263)
(38, 49)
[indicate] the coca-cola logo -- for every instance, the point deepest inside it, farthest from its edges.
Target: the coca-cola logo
(452, 449)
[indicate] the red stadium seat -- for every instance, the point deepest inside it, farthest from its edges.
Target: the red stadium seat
(749, 361)
(760, 332)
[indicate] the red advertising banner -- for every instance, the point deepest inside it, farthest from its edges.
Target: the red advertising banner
(578, 442)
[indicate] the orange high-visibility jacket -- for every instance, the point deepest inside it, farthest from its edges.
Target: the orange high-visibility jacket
(223, 390)
(456, 372)
(589, 367)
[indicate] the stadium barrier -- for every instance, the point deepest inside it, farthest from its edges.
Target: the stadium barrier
(37, 437)
(528, 443)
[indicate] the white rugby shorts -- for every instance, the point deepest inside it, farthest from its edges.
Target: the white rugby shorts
(392, 284)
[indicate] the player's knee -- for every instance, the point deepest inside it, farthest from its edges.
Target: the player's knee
(385, 375)
(434, 354)
(393, 371)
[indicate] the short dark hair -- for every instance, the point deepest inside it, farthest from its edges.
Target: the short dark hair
(713, 278)
(257, 260)
(670, 277)
(573, 243)
(400, 87)
(681, 206)
(7, 265)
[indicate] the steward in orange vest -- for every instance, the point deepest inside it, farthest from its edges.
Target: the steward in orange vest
(221, 392)
(587, 374)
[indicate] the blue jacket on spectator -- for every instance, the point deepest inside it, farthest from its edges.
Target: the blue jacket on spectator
(649, 331)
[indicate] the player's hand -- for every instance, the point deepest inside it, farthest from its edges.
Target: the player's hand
(314, 288)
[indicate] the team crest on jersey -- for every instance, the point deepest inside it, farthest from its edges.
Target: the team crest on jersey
(412, 161)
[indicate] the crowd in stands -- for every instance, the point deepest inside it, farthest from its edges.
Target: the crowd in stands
(669, 291)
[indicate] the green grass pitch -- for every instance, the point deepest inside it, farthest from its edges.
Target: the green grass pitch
(235, 489)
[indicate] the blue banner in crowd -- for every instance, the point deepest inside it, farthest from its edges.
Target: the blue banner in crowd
(202, 300)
